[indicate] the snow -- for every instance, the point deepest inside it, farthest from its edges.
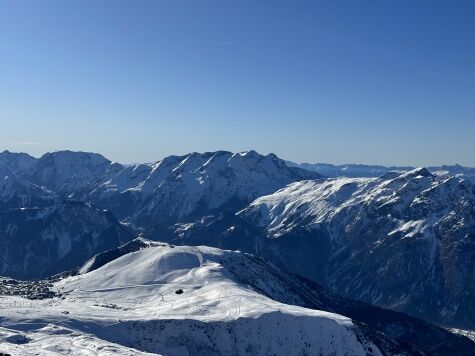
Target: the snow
(132, 302)
(408, 227)
(52, 339)
(176, 186)
(336, 201)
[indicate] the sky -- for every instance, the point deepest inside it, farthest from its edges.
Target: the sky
(375, 82)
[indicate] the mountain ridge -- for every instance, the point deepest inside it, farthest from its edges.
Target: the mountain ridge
(364, 170)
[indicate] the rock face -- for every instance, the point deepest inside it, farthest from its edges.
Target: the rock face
(403, 241)
(41, 241)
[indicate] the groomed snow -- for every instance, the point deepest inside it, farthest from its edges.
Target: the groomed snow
(133, 302)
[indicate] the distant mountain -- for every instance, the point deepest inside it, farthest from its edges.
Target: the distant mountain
(404, 241)
(187, 301)
(41, 241)
(16, 192)
(183, 188)
(348, 170)
(65, 172)
(17, 163)
(362, 170)
(177, 188)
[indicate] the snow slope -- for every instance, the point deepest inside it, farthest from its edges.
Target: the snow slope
(178, 301)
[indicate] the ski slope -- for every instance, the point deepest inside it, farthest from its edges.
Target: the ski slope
(133, 303)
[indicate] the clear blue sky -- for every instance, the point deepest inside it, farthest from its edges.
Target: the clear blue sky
(390, 82)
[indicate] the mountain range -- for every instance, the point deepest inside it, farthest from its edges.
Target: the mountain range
(364, 170)
(402, 240)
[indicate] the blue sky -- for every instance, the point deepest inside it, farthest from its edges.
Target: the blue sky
(386, 82)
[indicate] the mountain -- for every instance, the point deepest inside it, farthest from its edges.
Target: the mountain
(455, 170)
(362, 170)
(175, 189)
(37, 242)
(179, 300)
(400, 241)
(16, 192)
(182, 188)
(348, 170)
(65, 172)
(404, 241)
(17, 163)
(277, 284)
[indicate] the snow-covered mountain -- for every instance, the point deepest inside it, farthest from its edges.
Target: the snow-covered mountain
(65, 172)
(41, 241)
(181, 188)
(404, 241)
(180, 301)
(363, 170)
(174, 189)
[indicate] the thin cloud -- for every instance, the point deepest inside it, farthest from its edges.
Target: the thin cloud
(225, 43)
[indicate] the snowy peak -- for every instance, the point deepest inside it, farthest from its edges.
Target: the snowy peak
(417, 172)
(66, 171)
(182, 187)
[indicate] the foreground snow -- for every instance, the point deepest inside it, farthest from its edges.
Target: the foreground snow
(135, 301)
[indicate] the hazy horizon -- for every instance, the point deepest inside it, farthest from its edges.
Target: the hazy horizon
(263, 153)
